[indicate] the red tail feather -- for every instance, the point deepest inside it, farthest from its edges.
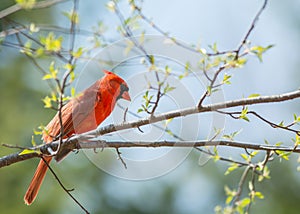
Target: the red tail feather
(36, 181)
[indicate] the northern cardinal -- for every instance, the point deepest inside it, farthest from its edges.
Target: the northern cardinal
(80, 114)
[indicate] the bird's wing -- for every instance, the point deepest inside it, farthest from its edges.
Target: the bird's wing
(73, 114)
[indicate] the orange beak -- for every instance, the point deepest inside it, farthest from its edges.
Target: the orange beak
(126, 96)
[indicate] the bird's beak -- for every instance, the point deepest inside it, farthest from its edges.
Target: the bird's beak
(126, 96)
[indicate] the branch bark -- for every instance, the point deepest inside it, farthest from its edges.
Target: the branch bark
(92, 144)
(88, 140)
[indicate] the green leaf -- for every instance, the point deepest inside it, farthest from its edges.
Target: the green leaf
(52, 72)
(111, 6)
(253, 95)
(227, 190)
(133, 22)
(47, 102)
(203, 51)
(72, 76)
(209, 90)
(47, 76)
(51, 43)
(233, 166)
(259, 195)
(214, 47)
(168, 88)
(244, 202)
(181, 76)
(266, 174)
(73, 16)
(168, 121)
(66, 98)
(68, 67)
(218, 209)
(216, 152)
(229, 193)
(27, 48)
(33, 143)
(252, 154)
(296, 118)
(281, 124)
(37, 132)
(231, 136)
(244, 114)
(226, 79)
(187, 66)
(297, 140)
(26, 4)
(152, 59)
(229, 199)
(216, 156)
(140, 110)
(52, 69)
(78, 53)
(73, 92)
(39, 52)
(239, 63)
(33, 28)
(283, 154)
(246, 157)
(168, 70)
(29, 151)
(259, 50)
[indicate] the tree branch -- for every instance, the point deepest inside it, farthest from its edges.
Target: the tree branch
(195, 110)
(16, 7)
(76, 143)
(87, 140)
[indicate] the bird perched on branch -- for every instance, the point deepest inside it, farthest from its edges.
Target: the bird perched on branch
(81, 114)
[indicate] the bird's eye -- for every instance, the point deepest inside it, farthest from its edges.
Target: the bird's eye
(123, 88)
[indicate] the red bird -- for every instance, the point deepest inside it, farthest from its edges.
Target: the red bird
(81, 114)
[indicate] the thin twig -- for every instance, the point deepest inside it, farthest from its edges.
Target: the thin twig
(221, 158)
(129, 34)
(64, 188)
(125, 114)
(120, 158)
(253, 190)
(240, 186)
(273, 125)
(73, 29)
(251, 28)
(212, 84)
(164, 128)
(167, 35)
(13, 146)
